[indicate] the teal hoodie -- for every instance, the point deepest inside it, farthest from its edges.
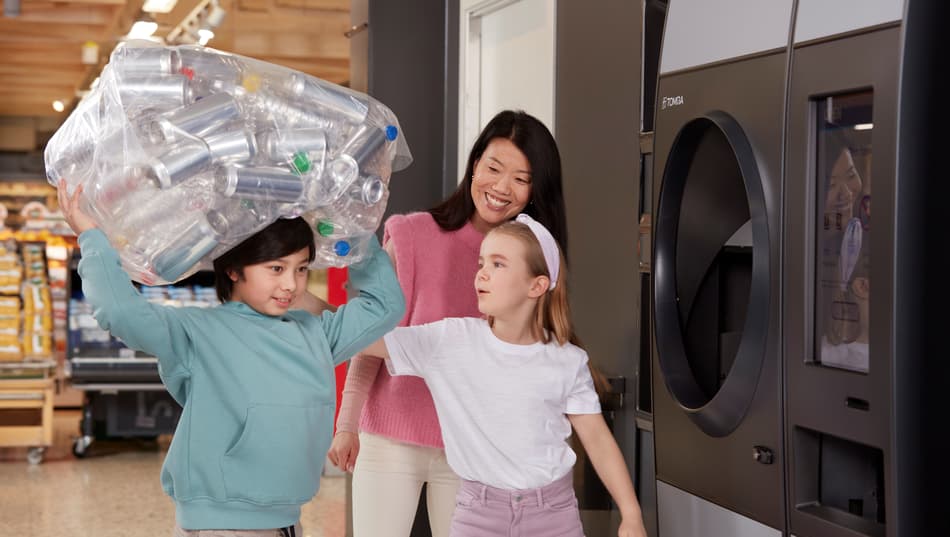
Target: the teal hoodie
(258, 392)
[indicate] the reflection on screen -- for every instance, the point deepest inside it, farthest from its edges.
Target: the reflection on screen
(843, 285)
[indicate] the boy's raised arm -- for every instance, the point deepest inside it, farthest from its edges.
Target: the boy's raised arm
(376, 310)
(117, 305)
(123, 311)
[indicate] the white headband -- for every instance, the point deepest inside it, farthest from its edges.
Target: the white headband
(548, 245)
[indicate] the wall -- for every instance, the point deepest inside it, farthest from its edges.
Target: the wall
(597, 106)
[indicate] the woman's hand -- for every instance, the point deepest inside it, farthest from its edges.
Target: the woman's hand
(77, 219)
(344, 450)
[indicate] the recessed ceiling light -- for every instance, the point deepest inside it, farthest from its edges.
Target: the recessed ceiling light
(142, 29)
(159, 6)
(204, 36)
(58, 106)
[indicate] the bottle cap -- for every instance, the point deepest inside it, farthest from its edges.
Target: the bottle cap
(324, 228)
(341, 248)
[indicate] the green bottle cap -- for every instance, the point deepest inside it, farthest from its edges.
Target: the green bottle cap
(324, 228)
(301, 162)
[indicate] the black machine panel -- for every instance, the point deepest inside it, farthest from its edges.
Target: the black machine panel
(717, 241)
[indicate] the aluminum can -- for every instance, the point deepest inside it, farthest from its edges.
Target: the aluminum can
(270, 184)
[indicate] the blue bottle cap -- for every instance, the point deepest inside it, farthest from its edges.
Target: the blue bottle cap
(391, 132)
(341, 248)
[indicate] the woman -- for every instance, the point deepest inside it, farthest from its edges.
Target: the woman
(387, 433)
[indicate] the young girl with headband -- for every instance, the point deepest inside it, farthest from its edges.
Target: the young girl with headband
(508, 388)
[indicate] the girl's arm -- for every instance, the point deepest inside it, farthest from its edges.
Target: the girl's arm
(608, 462)
(378, 349)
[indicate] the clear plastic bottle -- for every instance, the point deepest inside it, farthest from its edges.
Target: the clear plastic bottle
(355, 157)
(339, 251)
(333, 100)
(305, 149)
(209, 71)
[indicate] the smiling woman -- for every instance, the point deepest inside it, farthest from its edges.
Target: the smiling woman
(388, 433)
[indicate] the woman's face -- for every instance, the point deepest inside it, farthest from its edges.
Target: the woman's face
(843, 186)
(501, 184)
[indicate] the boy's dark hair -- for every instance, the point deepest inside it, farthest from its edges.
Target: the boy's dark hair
(538, 145)
(283, 237)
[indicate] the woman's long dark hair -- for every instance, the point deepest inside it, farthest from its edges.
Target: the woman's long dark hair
(537, 144)
(283, 237)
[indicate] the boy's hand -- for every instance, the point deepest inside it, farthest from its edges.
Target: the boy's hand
(78, 220)
(344, 449)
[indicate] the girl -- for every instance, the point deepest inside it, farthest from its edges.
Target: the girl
(508, 388)
(255, 379)
(388, 433)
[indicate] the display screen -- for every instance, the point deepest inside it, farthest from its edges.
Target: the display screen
(843, 232)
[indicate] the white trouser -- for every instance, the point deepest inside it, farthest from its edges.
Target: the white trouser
(387, 481)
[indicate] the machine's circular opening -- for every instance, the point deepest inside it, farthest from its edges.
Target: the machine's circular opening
(711, 273)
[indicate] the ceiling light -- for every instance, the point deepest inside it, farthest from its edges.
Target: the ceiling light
(58, 106)
(864, 126)
(142, 30)
(204, 36)
(159, 6)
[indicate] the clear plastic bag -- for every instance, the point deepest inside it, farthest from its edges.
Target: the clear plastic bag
(183, 152)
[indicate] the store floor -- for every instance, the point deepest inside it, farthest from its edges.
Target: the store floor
(113, 492)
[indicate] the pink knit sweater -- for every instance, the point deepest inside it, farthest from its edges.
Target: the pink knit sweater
(436, 270)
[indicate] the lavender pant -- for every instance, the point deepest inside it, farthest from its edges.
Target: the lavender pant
(484, 511)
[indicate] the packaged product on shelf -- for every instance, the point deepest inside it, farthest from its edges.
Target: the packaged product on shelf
(184, 151)
(37, 321)
(11, 272)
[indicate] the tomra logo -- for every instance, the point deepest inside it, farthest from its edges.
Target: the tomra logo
(671, 101)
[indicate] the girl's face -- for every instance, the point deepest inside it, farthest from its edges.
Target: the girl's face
(504, 284)
(501, 184)
(271, 286)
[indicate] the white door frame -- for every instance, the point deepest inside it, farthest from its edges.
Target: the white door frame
(470, 76)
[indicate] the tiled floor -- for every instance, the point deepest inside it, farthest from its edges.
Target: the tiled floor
(114, 492)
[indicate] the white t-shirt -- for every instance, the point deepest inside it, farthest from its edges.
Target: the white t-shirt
(502, 407)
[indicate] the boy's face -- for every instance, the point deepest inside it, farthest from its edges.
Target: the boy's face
(270, 287)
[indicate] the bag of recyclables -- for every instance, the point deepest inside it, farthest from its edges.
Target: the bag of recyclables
(184, 151)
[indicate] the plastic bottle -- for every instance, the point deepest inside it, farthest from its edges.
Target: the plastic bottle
(355, 156)
(330, 98)
(210, 72)
(305, 149)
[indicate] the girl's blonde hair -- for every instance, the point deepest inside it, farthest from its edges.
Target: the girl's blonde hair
(552, 313)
